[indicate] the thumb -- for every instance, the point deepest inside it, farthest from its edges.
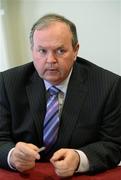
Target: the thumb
(58, 155)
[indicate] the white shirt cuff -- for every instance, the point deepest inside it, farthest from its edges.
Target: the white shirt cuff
(119, 164)
(84, 163)
(8, 159)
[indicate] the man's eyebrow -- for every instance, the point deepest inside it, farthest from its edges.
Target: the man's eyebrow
(41, 46)
(60, 46)
(57, 47)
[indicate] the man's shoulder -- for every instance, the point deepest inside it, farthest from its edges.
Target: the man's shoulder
(19, 73)
(94, 69)
(21, 70)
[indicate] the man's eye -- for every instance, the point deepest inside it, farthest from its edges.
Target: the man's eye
(60, 51)
(42, 51)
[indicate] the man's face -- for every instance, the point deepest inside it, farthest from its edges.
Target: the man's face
(53, 52)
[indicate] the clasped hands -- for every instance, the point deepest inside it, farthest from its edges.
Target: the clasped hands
(24, 155)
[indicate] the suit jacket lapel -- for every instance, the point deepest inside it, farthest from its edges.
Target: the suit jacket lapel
(37, 99)
(76, 94)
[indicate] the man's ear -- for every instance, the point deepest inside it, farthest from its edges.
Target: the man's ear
(76, 49)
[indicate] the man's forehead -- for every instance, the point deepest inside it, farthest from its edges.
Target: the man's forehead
(52, 35)
(56, 27)
(51, 24)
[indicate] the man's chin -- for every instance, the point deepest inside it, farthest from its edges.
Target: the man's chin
(53, 81)
(51, 73)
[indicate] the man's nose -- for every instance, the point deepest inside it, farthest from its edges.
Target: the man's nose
(51, 57)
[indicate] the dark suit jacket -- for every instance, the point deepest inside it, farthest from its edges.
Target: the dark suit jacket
(90, 119)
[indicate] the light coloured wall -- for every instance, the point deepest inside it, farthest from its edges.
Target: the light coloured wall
(98, 23)
(13, 32)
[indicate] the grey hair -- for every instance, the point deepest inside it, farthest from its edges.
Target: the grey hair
(46, 20)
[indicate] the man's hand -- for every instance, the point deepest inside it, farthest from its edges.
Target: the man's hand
(65, 162)
(23, 156)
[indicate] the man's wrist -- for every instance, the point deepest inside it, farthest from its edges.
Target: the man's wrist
(83, 165)
(8, 159)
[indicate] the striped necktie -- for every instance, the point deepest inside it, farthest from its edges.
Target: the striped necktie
(51, 122)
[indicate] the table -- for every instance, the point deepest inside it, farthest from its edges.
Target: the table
(45, 171)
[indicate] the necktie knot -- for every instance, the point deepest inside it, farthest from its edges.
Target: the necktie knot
(53, 90)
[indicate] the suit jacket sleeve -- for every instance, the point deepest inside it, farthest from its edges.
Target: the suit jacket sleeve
(6, 142)
(106, 153)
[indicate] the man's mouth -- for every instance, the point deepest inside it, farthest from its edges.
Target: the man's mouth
(51, 69)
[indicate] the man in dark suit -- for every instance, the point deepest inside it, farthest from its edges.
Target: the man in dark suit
(89, 133)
